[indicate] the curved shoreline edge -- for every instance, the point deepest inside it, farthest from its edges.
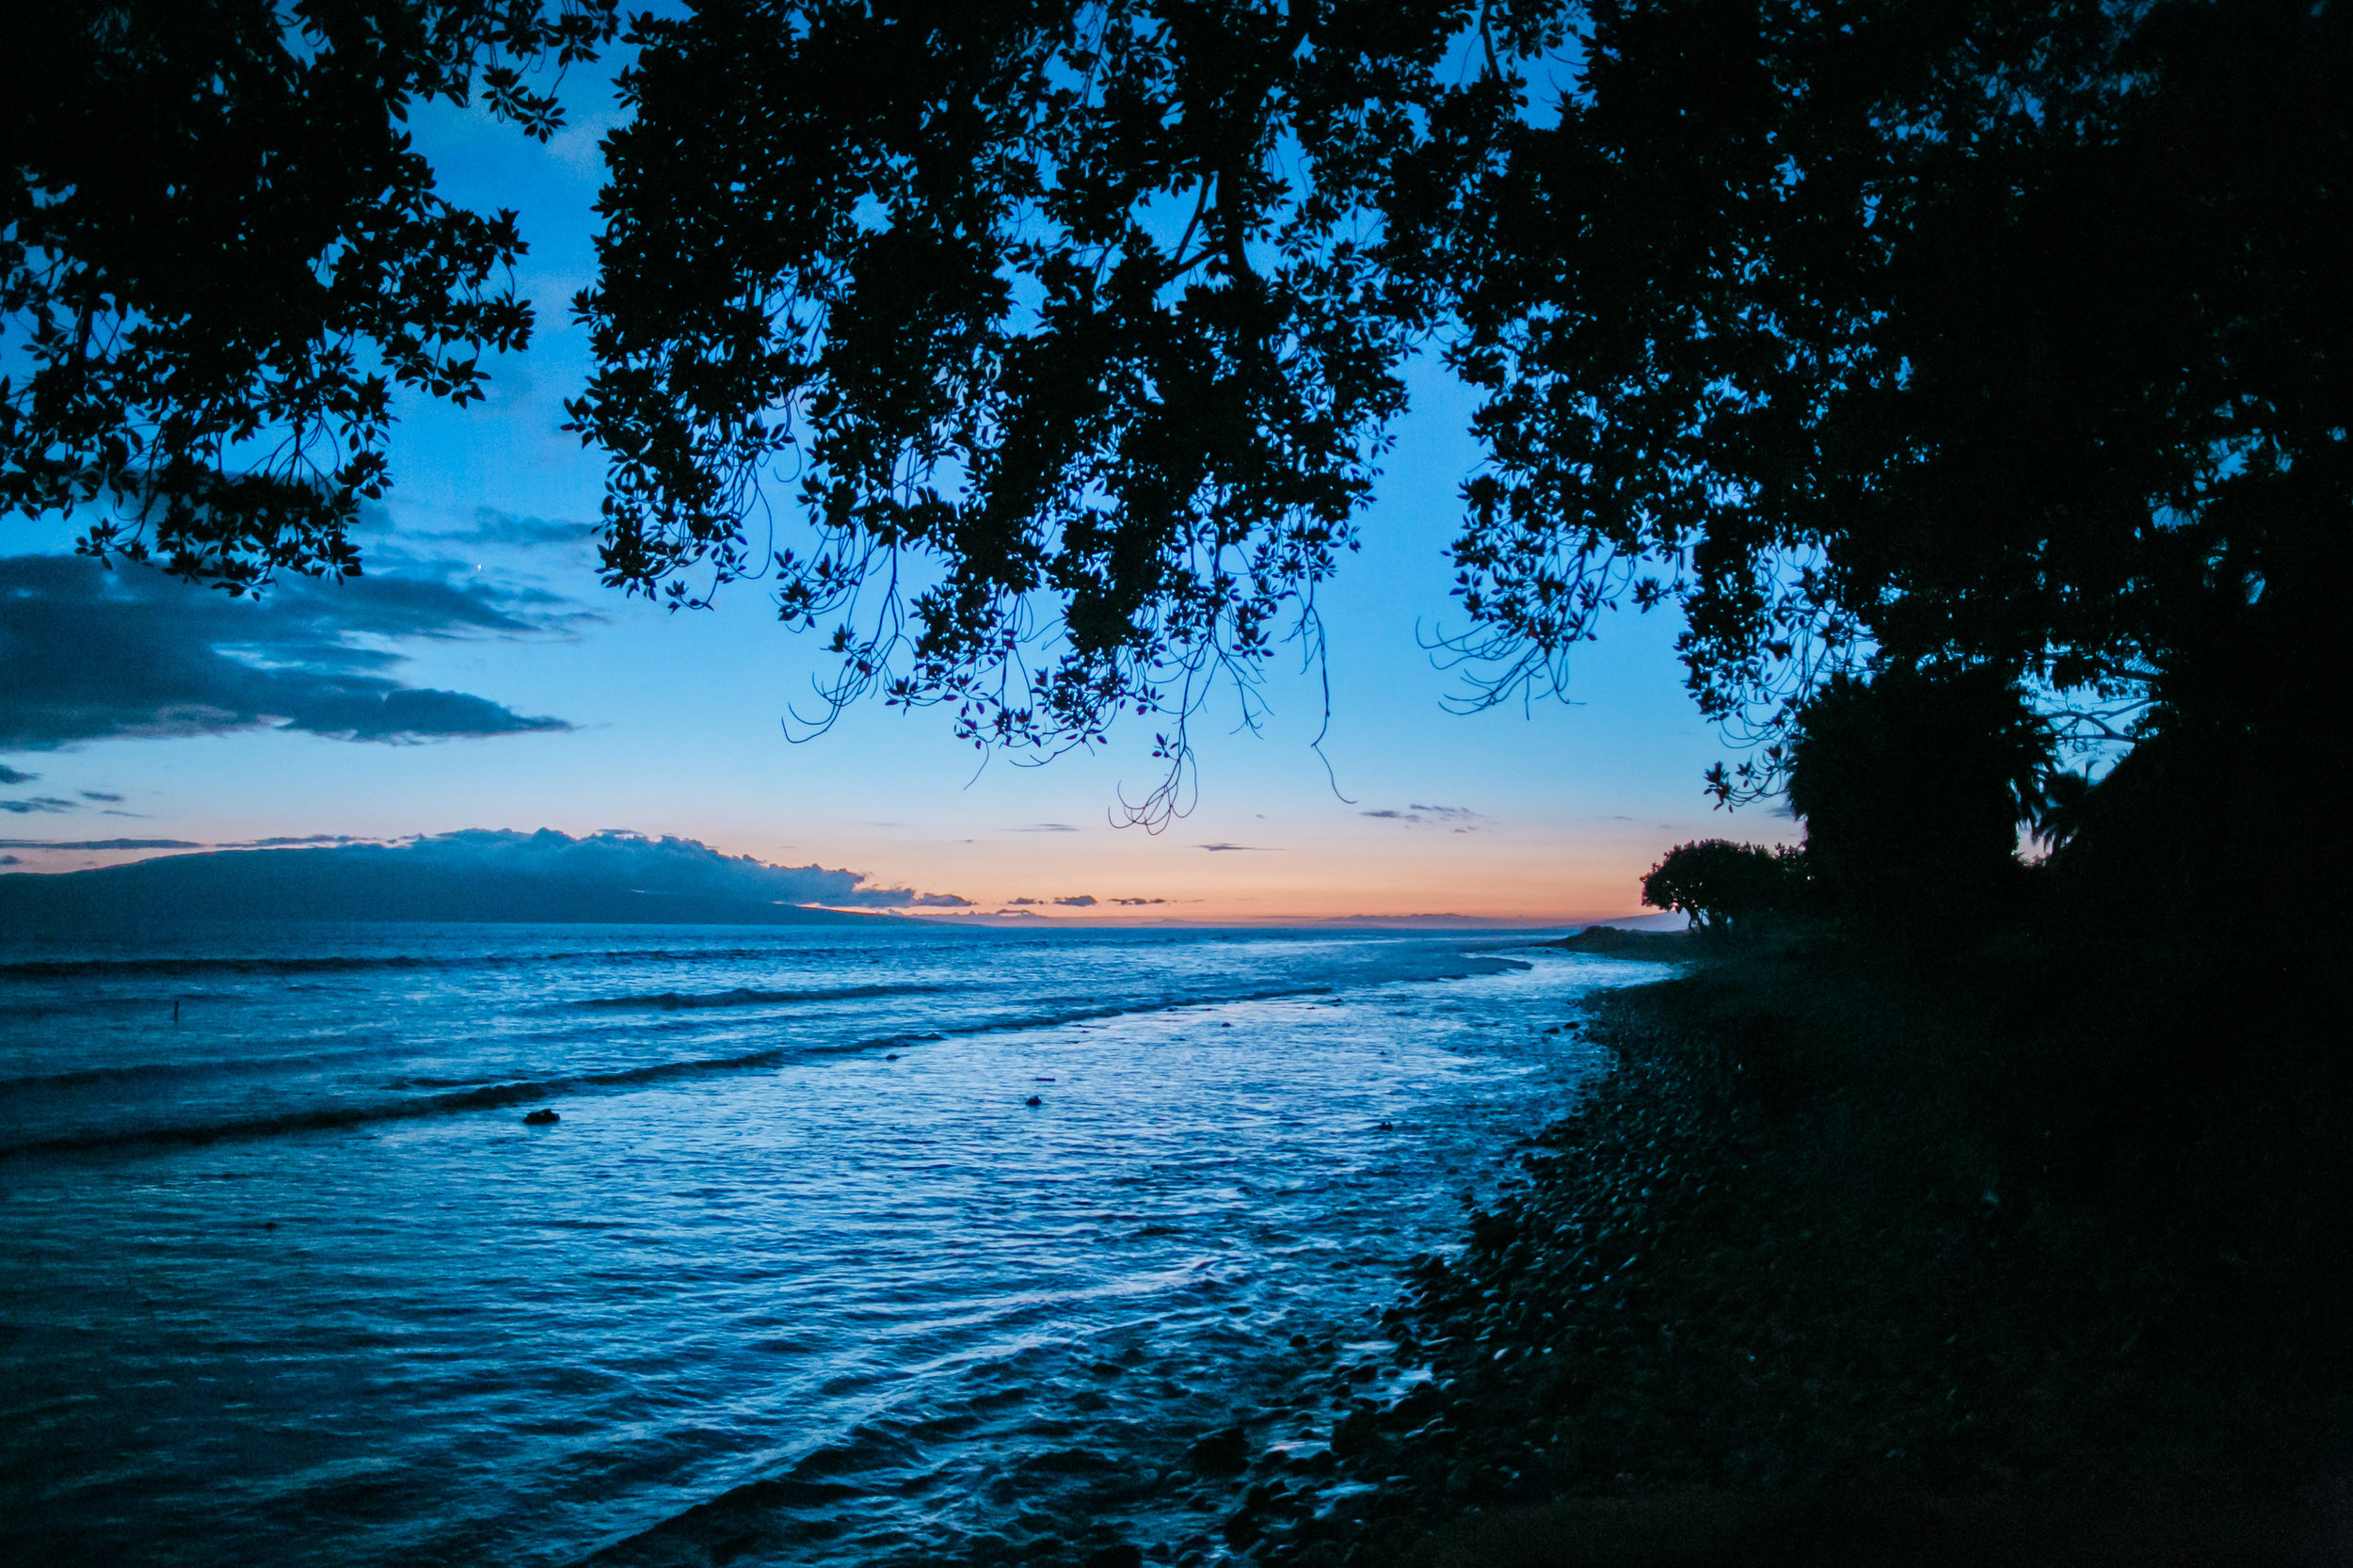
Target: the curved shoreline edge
(1780, 1291)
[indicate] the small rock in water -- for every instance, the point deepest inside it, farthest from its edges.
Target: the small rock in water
(542, 1117)
(1034, 1100)
(1222, 1453)
(892, 1057)
(1388, 1126)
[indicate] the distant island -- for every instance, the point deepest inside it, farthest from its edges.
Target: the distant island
(1624, 942)
(543, 877)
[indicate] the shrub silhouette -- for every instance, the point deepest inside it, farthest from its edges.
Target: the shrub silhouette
(1912, 787)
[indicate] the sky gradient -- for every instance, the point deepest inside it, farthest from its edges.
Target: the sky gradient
(572, 709)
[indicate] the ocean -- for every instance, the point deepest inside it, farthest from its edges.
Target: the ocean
(800, 1275)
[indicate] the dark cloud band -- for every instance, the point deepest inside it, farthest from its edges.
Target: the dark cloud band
(95, 654)
(98, 843)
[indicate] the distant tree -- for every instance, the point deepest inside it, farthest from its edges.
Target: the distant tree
(1913, 786)
(1726, 886)
(219, 253)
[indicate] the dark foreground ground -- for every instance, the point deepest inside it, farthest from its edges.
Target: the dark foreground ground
(1812, 1279)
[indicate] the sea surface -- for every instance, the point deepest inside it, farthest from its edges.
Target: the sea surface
(799, 1276)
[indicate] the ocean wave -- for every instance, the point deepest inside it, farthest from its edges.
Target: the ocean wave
(497, 1095)
(154, 967)
(490, 1096)
(327, 1118)
(134, 1072)
(744, 997)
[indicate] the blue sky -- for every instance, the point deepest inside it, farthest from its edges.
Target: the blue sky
(674, 720)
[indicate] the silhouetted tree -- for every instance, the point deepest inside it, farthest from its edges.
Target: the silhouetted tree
(1725, 886)
(2003, 331)
(1068, 327)
(2000, 332)
(219, 253)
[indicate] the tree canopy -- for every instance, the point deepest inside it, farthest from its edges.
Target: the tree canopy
(1071, 333)
(1996, 333)
(2002, 332)
(1042, 355)
(219, 253)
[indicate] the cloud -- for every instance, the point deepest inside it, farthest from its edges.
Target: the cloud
(9, 776)
(101, 794)
(1139, 901)
(1043, 828)
(491, 526)
(939, 901)
(36, 803)
(660, 866)
(1024, 900)
(1082, 901)
(94, 653)
(304, 839)
(487, 525)
(1239, 849)
(98, 843)
(9, 860)
(1461, 819)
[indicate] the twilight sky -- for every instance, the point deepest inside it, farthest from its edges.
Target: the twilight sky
(480, 678)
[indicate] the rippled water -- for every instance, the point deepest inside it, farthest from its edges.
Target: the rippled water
(798, 1277)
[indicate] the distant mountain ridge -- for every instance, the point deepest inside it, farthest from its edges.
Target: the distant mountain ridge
(543, 877)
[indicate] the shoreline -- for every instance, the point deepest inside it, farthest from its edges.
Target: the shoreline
(1776, 1291)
